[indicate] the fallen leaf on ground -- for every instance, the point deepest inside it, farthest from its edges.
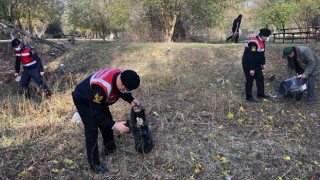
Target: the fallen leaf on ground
(287, 158)
(230, 115)
(54, 170)
(155, 113)
(22, 173)
(68, 161)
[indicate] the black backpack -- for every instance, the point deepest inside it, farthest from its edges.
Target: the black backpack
(140, 130)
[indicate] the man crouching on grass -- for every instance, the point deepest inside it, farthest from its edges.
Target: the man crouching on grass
(92, 98)
(306, 63)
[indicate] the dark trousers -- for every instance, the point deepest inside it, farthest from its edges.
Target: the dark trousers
(311, 88)
(258, 76)
(311, 82)
(91, 131)
(236, 36)
(27, 75)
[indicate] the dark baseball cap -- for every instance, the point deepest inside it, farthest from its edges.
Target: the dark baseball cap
(287, 51)
(265, 32)
(15, 42)
(130, 79)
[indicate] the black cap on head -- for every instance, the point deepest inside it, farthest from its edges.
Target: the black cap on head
(287, 51)
(265, 32)
(130, 79)
(15, 42)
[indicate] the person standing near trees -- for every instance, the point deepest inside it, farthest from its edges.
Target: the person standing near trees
(253, 63)
(235, 29)
(32, 67)
(92, 98)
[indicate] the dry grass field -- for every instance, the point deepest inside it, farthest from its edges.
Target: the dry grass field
(194, 99)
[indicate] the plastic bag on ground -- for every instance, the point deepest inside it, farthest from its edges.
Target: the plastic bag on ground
(76, 118)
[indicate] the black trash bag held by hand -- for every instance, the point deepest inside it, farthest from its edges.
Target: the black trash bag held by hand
(292, 86)
(140, 130)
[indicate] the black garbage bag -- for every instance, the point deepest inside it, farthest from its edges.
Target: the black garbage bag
(140, 130)
(292, 86)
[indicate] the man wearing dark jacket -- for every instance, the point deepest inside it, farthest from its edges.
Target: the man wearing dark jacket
(32, 67)
(253, 63)
(92, 98)
(235, 29)
(305, 63)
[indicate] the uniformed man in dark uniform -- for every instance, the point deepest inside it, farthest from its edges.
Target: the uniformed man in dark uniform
(235, 29)
(92, 98)
(253, 63)
(32, 67)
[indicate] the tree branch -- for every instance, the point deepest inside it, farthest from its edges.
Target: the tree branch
(34, 38)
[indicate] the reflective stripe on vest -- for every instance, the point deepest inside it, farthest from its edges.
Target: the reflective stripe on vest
(103, 78)
(23, 54)
(258, 42)
(29, 64)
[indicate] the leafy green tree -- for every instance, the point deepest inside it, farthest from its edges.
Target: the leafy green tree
(54, 28)
(306, 13)
(166, 19)
(119, 14)
(50, 11)
(6, 7)
(79, 14)
(285, 13)
(19, 15)
(275, 13)
(89, 15)
(178, 14)
(34, 15)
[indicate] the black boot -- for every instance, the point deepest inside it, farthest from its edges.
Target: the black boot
(110, 149)
(252, 99)
(100, 168)
(46, 91)
(26, 92)
(265, 96)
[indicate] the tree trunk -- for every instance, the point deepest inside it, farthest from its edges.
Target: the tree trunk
(30, 24)
(170, 28)
(50, 43)
(169, 24)
(43, 30)
(169, 15)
